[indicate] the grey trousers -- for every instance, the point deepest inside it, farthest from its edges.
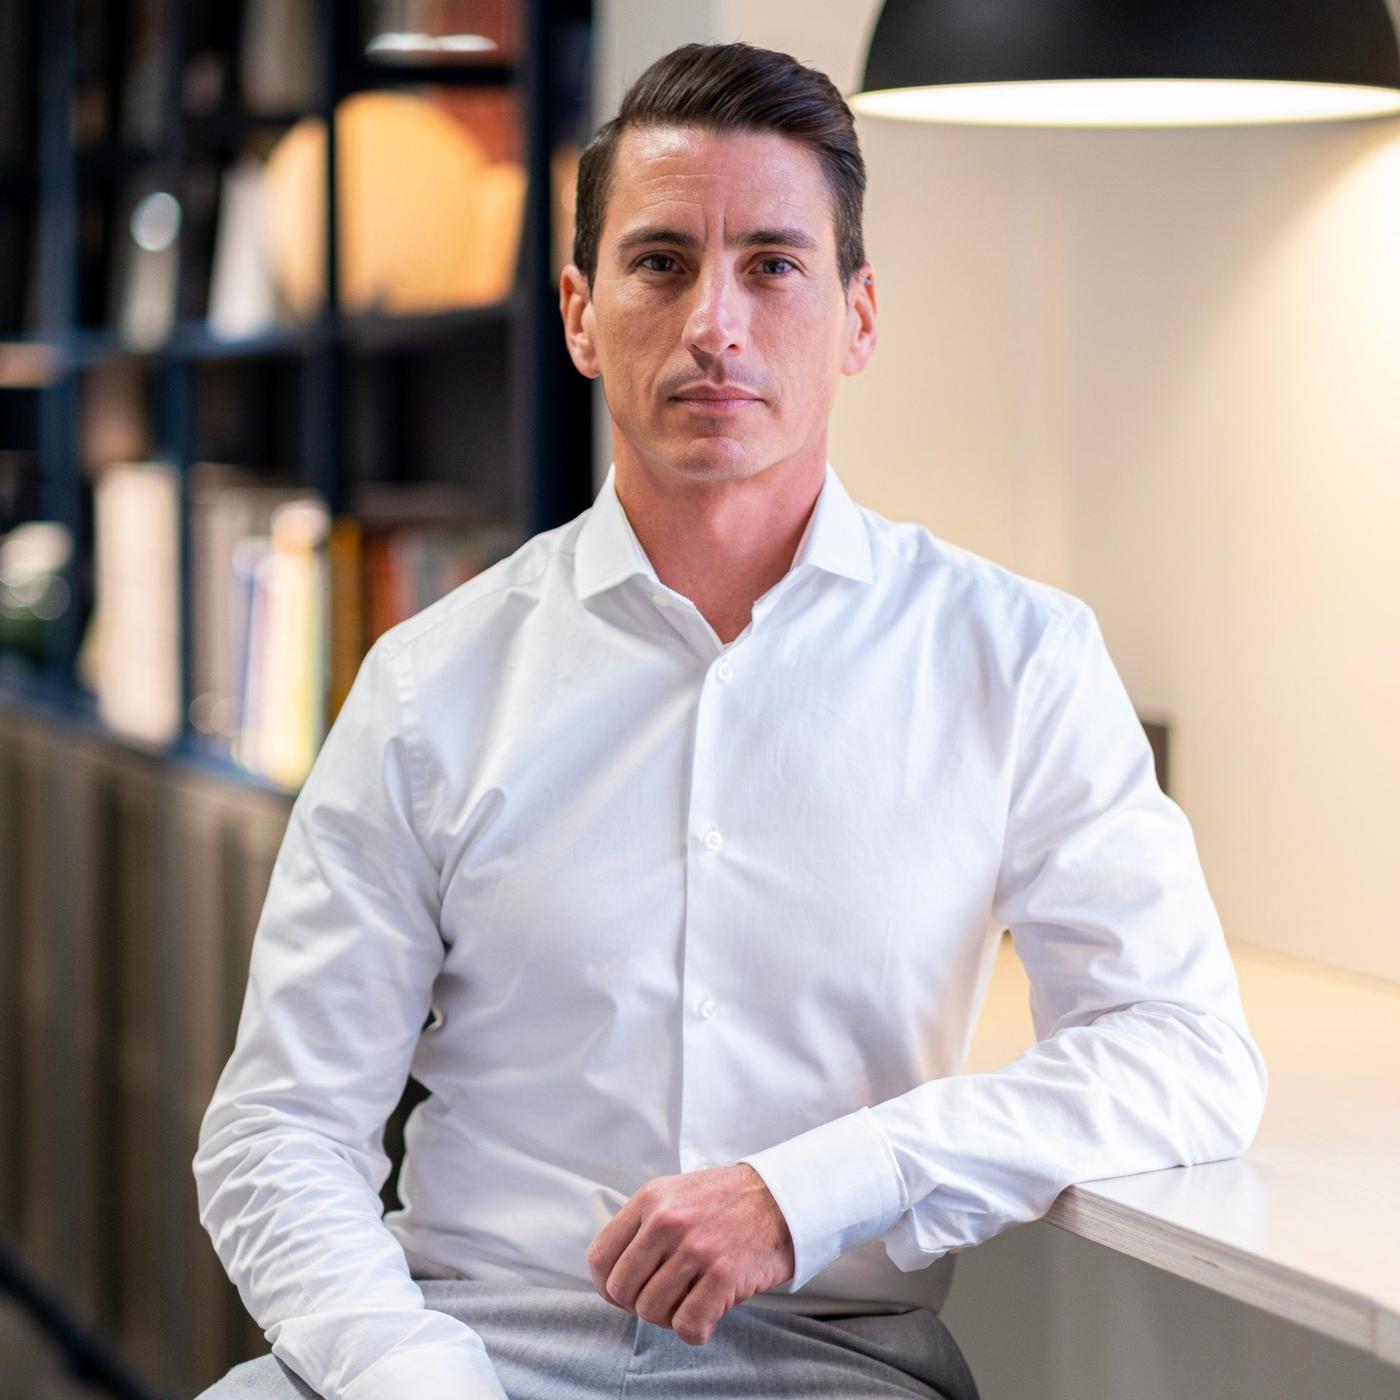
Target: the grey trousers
(571, 1344)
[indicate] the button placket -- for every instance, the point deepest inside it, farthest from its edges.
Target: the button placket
(702, 1027)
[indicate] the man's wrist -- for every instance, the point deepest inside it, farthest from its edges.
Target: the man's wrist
(781, 1242)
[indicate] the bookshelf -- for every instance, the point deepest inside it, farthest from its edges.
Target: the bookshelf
(109, 105)
(133, 867)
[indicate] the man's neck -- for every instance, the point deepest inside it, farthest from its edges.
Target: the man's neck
(722, 544)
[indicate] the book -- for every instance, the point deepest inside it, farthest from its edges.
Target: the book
(242, 295)
(136, 639)
(419, 540)
(407, 567)
(345, 623)
(284, 696)
(228, 504)
(286, 600)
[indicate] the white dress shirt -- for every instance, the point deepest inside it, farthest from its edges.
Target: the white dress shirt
(671, 903)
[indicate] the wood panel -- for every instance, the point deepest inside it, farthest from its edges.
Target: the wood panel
(12, 901)
(39, 1231)
(130, 890)
(134, 1157)
(76, 948)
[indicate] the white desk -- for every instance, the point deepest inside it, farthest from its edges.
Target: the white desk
(1306, 1224)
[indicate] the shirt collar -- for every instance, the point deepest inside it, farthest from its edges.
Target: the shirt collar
(608, 551)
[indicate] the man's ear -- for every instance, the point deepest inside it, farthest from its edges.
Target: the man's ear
(576, 307)
(860, 320)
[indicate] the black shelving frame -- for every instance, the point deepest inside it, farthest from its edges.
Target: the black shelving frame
(131, 877)
(547, 476)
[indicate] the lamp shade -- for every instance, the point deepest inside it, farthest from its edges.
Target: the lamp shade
(1131, 62)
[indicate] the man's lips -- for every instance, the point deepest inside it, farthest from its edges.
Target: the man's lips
(716, 398)
(719, 392)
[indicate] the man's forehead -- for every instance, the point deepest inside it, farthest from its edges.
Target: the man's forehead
(652, 159)
(670, 172)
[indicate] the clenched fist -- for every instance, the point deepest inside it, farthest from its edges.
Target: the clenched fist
(685, 1249)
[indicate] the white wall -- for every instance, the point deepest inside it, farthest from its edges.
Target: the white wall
(1161, 370)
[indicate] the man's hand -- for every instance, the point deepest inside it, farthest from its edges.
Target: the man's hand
(685, 1249)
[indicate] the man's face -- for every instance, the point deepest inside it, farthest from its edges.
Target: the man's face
(717, 271)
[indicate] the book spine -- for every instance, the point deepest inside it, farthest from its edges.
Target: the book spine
(346, 623)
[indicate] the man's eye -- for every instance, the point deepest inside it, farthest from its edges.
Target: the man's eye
(763, 262)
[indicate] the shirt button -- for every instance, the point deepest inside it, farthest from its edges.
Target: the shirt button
(661, 600)
(724, 671)
(713, 839)
(707, 1007)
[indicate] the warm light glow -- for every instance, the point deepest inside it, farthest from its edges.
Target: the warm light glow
(397, 45)
(1129, 102)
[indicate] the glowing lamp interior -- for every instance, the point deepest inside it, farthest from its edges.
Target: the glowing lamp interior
(1130, 102)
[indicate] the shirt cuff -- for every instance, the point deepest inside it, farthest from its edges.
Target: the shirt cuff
(433, 1371)
(837, 1186)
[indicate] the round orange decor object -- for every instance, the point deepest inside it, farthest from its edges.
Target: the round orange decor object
(426, 223)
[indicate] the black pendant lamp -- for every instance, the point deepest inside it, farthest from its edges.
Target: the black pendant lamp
(1131, 62)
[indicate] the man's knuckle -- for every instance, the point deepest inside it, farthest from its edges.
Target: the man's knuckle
(671, 1221)
(700, 1256)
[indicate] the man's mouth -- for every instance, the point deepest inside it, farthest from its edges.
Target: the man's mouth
(716, 400)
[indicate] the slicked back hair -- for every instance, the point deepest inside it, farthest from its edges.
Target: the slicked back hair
(726, 88)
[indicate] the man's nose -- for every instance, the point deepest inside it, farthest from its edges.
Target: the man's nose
(716, 322)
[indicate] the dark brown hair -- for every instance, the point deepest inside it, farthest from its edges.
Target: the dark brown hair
(730, 88)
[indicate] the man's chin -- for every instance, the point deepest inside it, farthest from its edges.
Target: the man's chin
(711, 453)
(709, 462)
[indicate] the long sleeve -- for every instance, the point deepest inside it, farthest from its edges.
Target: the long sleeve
(290, 1158)
(1143, 1057)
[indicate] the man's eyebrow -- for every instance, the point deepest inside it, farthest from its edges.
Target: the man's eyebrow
(752, 238)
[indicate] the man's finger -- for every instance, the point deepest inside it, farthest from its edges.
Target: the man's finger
(650, 1247)
(663, 1293)
(610, 1243)
(699, 1314)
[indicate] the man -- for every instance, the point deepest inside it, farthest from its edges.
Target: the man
(695, 825)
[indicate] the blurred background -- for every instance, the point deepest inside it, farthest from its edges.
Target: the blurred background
(281, 363)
